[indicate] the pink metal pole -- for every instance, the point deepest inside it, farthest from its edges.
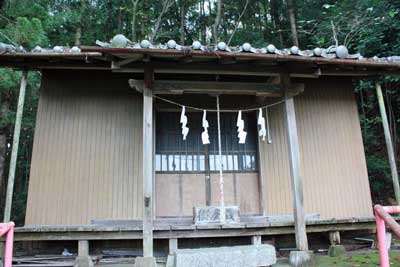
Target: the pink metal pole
(8, 253)
(382, 215)
(381, 233)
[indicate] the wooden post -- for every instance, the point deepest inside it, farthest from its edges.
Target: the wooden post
(389, 144)
(256, 240)
(295, 174)
(14, 152)
(147, 172)
(83, 248)
(172, 245)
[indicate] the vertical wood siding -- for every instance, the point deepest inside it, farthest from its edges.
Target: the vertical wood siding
(87, 151)
(86, 161)
(177, 194)
(332, 154)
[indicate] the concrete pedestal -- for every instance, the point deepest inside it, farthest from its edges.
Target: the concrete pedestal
(145, 262)
(336, 251)
(302, 259)
(83, 261)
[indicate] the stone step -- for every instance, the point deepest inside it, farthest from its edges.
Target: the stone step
(235, 256)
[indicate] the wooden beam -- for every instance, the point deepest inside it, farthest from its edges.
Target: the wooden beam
(14, 152)
(166, 86)
(147, 171)
(352, 224)
(389, 144)
(238, 88)
(295, 172)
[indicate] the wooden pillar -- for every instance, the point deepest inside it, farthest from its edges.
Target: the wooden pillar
(83, 248)
(147, 172)
(256, 240)
(295, 174)
(172, 245)
(389, 144)
(14, 152)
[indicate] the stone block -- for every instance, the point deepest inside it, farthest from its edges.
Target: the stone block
(145, 262)
(336, 251)
(211, 215)
(302, 258)
(236, 256)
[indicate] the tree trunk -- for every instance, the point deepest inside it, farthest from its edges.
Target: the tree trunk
(119, 28)
(217, 22)
(275, 20)
(165, 6)
(133, 27)
(182, 29)
(3, 147)
(78, 32)
(145, 19)
(78, 35)
(109, 20)
(292, 19)
(202, 23)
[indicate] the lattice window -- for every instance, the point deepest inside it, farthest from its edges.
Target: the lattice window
(175, 155)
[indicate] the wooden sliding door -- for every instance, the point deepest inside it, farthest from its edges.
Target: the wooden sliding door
(187, 171)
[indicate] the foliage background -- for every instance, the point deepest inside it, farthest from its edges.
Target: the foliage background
(371, 27)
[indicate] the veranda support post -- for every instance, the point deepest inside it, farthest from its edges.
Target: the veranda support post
(296, 178)
(294, 166)
(389, 144)
(14, 152)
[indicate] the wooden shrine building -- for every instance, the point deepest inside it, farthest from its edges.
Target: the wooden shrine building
(109, 161)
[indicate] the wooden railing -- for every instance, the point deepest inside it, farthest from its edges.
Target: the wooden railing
(383, 218)
(8, 230)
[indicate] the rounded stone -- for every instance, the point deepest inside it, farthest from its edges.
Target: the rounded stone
(271, 48)
(145, 44)
(317, 51)
(2, 46)
(196, 45)
(119, 40)
(75, 49)
(221, 46)
(171, 44)
(294, 50)
(342, 51)
(58, 49)
(375, 58)
(37, 49)
(246, 47)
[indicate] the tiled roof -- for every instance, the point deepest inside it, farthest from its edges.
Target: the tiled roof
(120, 41)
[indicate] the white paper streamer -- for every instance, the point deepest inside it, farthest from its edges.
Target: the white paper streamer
(267, 124)
(262, 131)
(185, 129)
(204, 135)
(241, 133)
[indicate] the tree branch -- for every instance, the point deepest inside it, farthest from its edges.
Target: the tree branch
(238, 21)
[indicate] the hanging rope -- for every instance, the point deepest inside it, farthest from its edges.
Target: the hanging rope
(221, 110)
(221, 177)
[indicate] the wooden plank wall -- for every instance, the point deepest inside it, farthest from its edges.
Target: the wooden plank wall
(87, 151)
(177, 194)
(86, 161)
(333, 162)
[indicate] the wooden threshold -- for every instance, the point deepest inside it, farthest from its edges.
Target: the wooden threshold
(167, 231)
